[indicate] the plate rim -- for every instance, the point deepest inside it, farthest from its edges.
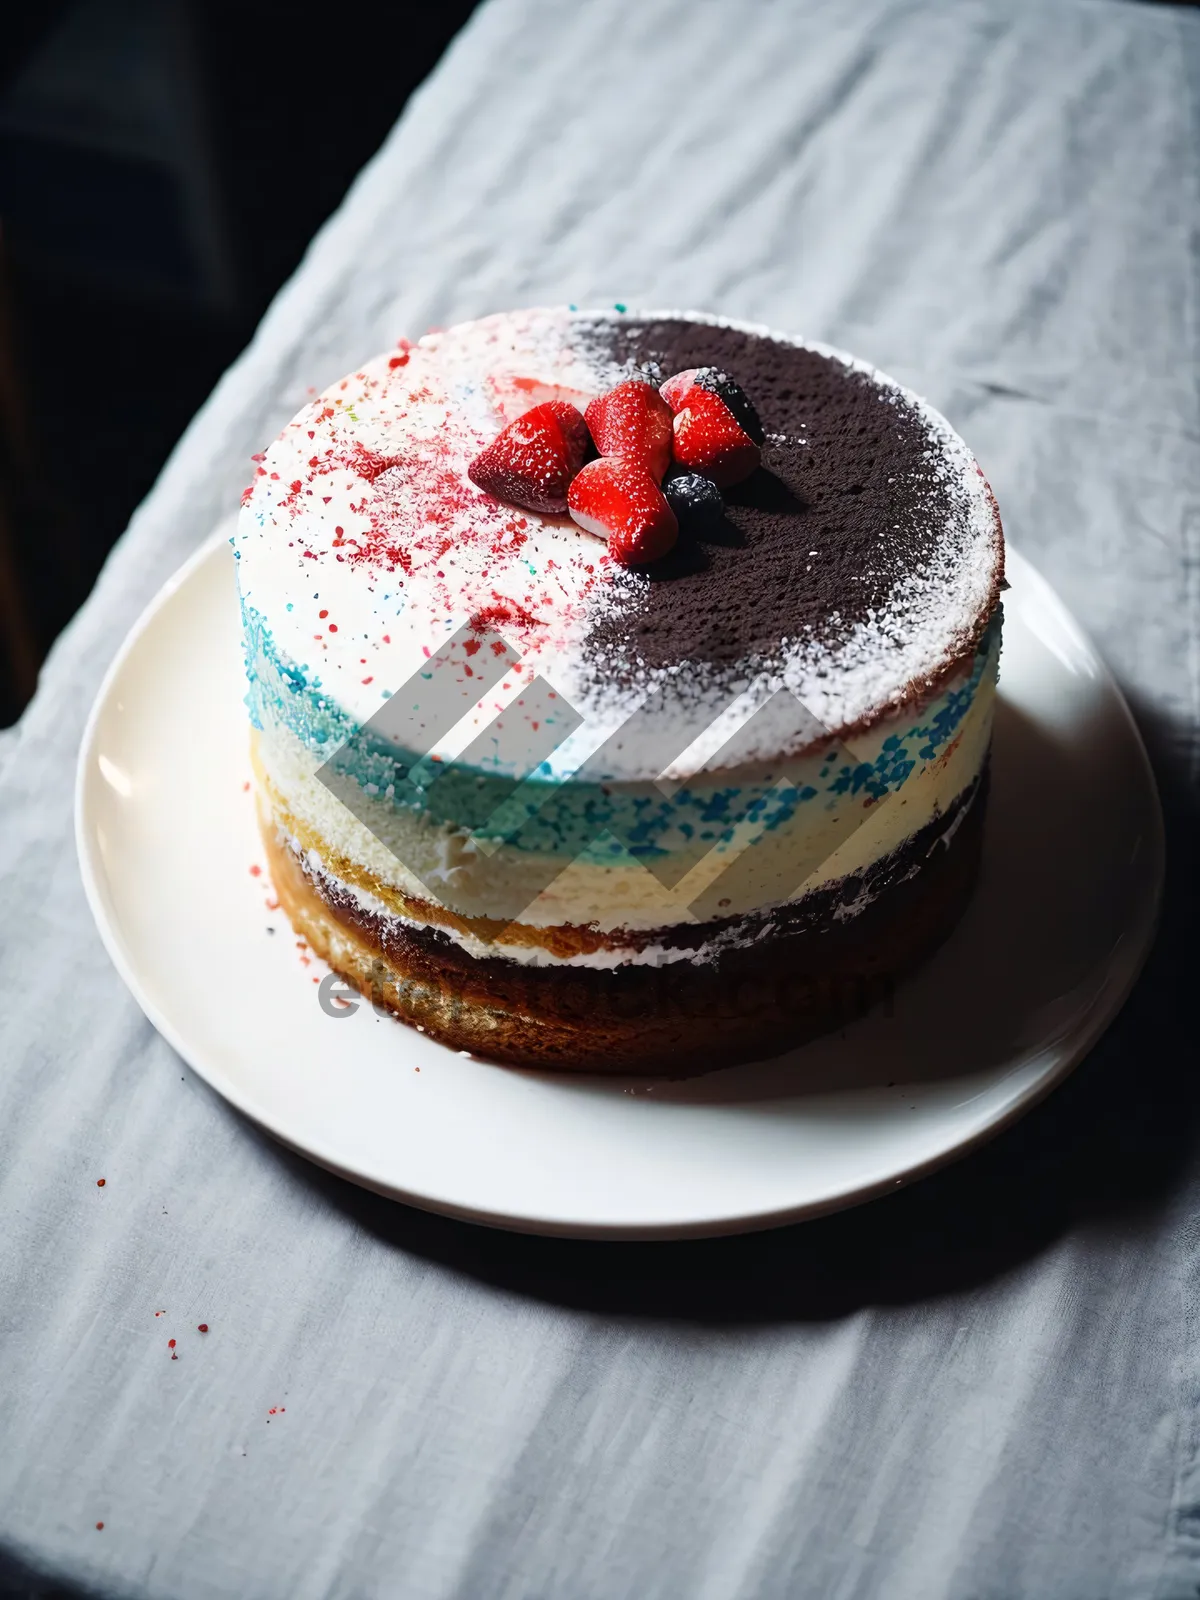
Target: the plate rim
(1099, 1019)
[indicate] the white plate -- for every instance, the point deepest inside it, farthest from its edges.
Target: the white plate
(1049, 948)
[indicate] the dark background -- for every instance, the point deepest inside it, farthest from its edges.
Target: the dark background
(163, 166)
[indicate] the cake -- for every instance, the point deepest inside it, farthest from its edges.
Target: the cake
(564, 803)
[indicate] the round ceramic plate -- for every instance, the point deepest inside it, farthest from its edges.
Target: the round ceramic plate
(1046, 954)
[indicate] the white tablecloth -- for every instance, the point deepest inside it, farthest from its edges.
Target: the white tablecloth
(984, 1388)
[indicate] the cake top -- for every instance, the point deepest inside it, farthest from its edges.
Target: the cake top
(858, 567)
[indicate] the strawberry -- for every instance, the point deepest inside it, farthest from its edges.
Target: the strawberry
(675, 388)
(531, 463)
(633, 420)
(618, 498)
(708, 439)
(720, 384)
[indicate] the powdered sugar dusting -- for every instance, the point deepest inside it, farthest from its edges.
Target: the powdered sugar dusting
(851, 676)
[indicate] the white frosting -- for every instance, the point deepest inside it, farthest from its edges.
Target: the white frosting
(362, 519)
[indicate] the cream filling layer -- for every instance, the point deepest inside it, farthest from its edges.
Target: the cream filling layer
(831, 837)
(739, 937)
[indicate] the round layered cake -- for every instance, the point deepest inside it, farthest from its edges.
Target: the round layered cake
(563, 807)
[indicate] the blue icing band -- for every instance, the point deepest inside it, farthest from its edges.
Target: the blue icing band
(562, 817)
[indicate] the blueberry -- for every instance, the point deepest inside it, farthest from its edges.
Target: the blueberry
(696, 501)
(735, 397)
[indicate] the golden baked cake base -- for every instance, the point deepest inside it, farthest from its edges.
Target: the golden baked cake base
(807, 977)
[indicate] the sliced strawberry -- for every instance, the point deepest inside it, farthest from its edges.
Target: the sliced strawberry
(675, 388)
(531, 463)
(574, 430)
(708, 439)
(633, 420)
(617, 498)
(724, 387)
